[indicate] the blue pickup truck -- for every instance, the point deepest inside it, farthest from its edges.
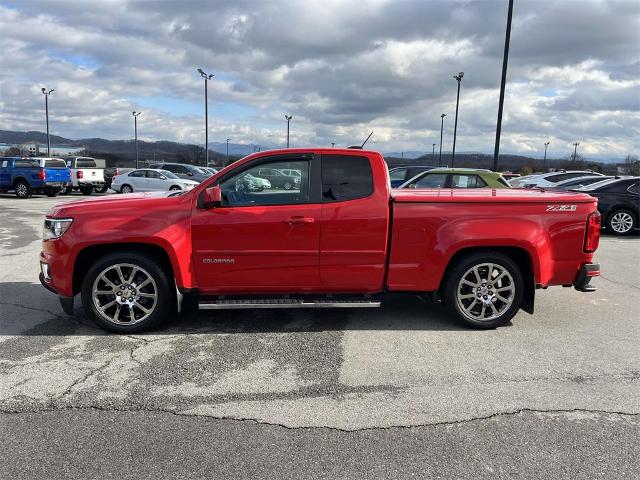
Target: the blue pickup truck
(28, 175)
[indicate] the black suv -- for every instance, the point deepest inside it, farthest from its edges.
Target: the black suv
(183, 170)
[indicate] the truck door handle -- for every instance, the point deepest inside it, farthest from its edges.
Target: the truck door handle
(300, 220)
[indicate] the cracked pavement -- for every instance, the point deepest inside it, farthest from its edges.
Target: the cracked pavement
(386, 393)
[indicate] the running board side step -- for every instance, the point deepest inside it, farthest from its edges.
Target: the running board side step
(284, 303)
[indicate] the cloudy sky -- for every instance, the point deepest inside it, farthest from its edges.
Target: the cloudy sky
(340, 68)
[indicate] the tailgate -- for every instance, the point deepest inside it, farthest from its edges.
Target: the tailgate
(56, 175)
(93, 175)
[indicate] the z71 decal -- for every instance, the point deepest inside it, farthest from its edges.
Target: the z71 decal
(561, 208)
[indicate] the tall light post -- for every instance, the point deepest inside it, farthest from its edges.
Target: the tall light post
(455, 124)
(544, 161)
(46, 109)
(135, 132)
(228, 140)
(441, 128)
(333, 144)
(206, 113)
(288, 117)
(575, 150)
(505, 61)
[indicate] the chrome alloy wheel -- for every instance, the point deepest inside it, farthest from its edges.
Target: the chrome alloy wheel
(622, 222)
(124, 294)
(485, 292)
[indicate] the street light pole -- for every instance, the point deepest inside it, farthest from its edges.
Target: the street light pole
(544, 162)
(455, 124)
(505, 60)
(46, 109)
(135, 132)
(228, 140)
(575, 151)
(288, 117)
(206, 114)
(441, 128)
(333, 144)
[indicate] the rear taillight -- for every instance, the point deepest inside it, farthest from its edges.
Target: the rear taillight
(41, 174)
(117, 172)
(592, 235)
(80, 174)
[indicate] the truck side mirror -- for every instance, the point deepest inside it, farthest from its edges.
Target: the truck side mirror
(213, 197)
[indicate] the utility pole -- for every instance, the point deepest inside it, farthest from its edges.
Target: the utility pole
(288, 117)
(455, 125)
(575, 150)
(544, 162)
(441, 128)
(333, 144)
(46, 109)
(206, 114)
(135, 131)
(505, 61)
(228, 140)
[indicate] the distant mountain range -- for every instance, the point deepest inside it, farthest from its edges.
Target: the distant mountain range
(122, 152)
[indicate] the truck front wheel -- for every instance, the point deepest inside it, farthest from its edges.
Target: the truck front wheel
(22, 189)
(484, 290)
(127, 293)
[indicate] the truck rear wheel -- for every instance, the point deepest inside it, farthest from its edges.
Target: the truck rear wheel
(127, 293)
(86, 190)
(484, 290)
(22, 189)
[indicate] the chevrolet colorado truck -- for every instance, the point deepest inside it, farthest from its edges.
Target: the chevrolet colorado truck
(339, 238)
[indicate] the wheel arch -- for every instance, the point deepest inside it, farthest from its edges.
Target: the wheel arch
(520, 257)
(86, 257)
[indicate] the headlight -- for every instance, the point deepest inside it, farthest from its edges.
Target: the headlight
(55, 227)
(267, 183)
(188, 186)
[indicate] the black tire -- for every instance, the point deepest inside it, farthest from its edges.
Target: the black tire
(126, 188)
(288, 185)
(174, 188)
(22, 189)
(86, 190)
(621, 222)
(103, 189)
(462, 269)
(52, 193)
(68, 190)
(165, 292)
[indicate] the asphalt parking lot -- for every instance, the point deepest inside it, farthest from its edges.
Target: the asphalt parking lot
(391, 393)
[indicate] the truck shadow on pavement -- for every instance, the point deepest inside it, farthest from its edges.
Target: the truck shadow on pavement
(27, 309)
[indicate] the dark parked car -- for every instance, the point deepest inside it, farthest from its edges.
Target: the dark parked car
(183, 170)
(618, 203)
(109, 173)
(399, 175)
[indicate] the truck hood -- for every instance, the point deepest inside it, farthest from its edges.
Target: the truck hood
(488, 195)
(97, 205)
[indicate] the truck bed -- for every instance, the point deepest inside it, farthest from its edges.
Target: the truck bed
(486, 195)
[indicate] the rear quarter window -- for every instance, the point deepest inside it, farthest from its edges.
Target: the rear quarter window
(25, 163)
(346, 177)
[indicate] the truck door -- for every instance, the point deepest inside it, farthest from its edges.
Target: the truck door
(355, 223)
(260, 239)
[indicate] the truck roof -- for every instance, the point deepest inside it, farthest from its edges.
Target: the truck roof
(491, 195)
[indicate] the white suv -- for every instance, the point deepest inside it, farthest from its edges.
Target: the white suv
(549, 179)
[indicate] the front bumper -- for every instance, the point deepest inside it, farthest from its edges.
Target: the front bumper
(585, 274)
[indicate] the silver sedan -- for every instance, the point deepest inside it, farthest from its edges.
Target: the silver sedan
(150, 180)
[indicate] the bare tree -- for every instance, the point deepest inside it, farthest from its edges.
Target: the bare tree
(631, 165)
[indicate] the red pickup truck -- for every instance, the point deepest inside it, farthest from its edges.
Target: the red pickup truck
(340, 238)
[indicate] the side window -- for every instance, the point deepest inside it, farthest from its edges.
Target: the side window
(431, 180)
(248, 188)
(26, 163)
(346, 177)
(467, 181)
(137, 173)
(398, 174)
(153, 174)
